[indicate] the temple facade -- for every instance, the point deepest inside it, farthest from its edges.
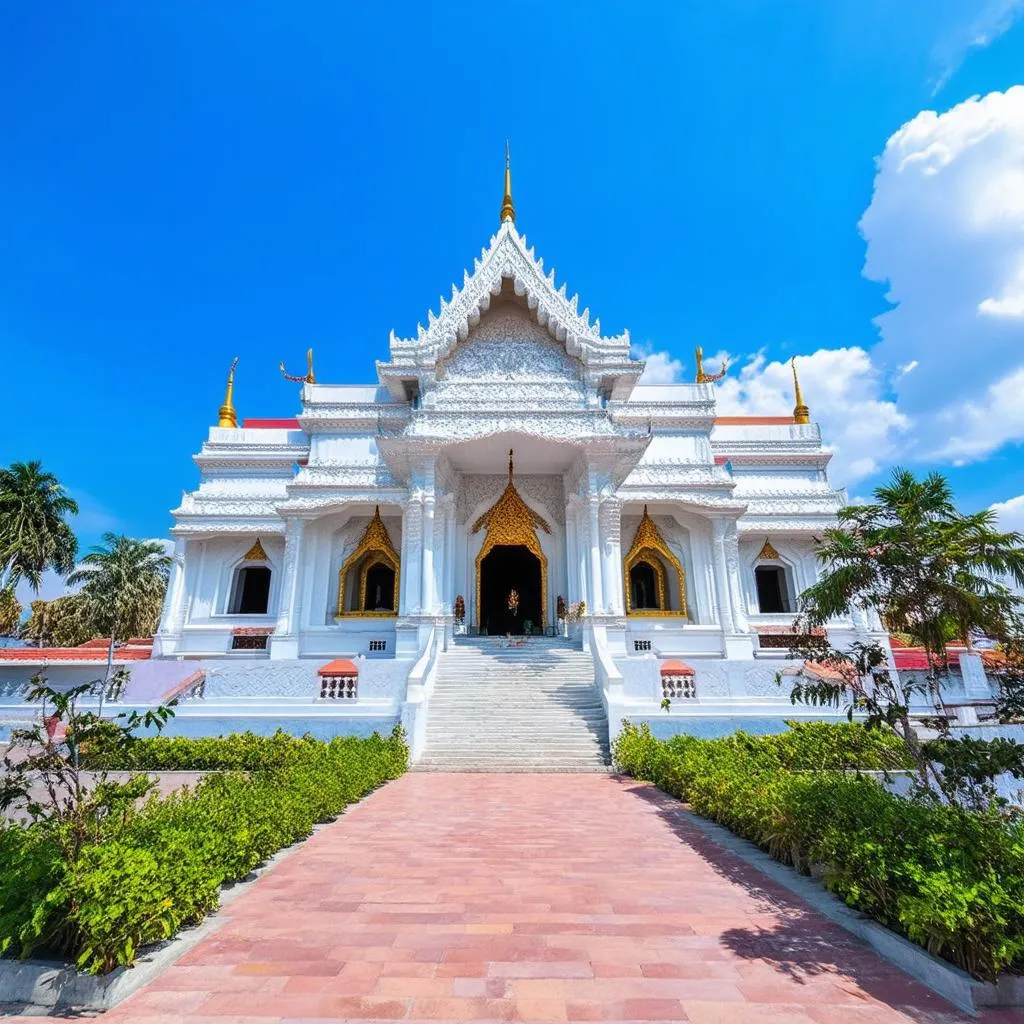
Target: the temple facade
(507, 474)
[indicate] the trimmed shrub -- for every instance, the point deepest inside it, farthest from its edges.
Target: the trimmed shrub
(949, 879)
(162, 866)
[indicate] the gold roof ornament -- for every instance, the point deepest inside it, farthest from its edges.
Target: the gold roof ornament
(649, 546)
(508, 210)
(767, 552)
(511, 521)
(310, 377)
(255, 553)
(226, 415)
(709, 378)
(801, 414)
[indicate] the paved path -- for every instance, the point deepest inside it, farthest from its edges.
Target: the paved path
(525, 897)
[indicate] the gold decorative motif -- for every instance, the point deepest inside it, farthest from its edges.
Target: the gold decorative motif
(511, 521)
(375, 548)
(708, 378)
(226, 416)
(255, 553)
(801, 414)
(508, 210)
(310, 377)
(767, 552)
(649, 546)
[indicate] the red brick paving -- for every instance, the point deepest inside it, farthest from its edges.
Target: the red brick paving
(530, 898)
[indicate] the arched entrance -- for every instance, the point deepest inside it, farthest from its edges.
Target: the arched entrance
(507, 568)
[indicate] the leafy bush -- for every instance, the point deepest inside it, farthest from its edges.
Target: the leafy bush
(159, 867)
(950, 879)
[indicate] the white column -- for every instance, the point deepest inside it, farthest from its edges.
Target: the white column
(721, 574)
(731, 543)
(412, 530)
(284, 643)
(571, 574)
(595, 604)
(173, 619)
(448, 598)
(427, 578)
(581, 553)
(611, 549)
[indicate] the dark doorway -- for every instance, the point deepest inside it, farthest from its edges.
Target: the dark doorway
(509, 567)
(380, 589)
(644, 586)
(252, 591)
(772, 594)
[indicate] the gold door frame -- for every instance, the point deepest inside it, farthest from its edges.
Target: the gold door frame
(510, 521)
(375, 548)
(649, 546)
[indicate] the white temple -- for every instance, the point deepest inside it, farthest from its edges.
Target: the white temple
(388, 519)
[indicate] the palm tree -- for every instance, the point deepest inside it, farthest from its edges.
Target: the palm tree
(34, 535)
(123, 581)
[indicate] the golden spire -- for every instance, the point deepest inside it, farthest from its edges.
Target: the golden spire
(801, 414)
(227, 415)
(508, 210)
(310, 377)
(510, 465)
(708, 378)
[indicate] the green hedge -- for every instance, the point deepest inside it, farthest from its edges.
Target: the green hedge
(950, 880)
(161, 867)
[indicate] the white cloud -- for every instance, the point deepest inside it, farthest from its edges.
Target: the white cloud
(50, 586)
(993, 19)
(660, 368)
(1010, 513)
(845, 392)
(978, 427)
(945, 230)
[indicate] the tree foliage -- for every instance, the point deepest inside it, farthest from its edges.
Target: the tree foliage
(62, 622)
(10, 613)
(34, 533)
(123, 583)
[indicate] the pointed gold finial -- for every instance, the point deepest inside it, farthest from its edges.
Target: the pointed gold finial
(508, 210)
(310, 377)
(226, 415)
(510, 465)
(801, 414)
(708, 378)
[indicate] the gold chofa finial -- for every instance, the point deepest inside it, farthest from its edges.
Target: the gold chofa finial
(310, 377)
(508, 210)
(708, 378)
(801, 414)
(226, 415)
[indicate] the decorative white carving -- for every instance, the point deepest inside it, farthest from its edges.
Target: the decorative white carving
(478, 491)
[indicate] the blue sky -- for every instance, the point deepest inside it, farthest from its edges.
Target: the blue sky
(183, 182)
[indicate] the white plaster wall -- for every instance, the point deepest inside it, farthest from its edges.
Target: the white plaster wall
(209, 576)
(348, 449)
(678, 446)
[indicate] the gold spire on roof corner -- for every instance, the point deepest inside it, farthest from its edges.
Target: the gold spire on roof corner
(226, 414)
(508, 210)
(708, 378)
(310, 377)
(801, 414)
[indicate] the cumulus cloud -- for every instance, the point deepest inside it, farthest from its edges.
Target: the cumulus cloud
(1010, 513)
(660, 368)
(945, 231)
(846, 394)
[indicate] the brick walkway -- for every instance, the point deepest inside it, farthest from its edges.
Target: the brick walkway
(530, 897)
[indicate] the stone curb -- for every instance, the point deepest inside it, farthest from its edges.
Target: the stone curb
(48, 985)
(944, 978)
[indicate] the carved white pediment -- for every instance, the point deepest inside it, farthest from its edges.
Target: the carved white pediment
(507, 360)
(509, 259)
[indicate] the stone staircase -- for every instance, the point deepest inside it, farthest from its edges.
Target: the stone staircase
(530, 707)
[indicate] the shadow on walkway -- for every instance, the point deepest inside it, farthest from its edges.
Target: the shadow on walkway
(803, 945)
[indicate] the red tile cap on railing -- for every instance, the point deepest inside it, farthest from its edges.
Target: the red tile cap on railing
(338, 667)
(675, 667)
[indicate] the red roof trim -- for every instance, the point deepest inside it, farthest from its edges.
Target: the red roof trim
(742, 421)
(45, 654)
(270, 424)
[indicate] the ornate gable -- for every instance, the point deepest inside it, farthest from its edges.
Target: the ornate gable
(606, 359)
